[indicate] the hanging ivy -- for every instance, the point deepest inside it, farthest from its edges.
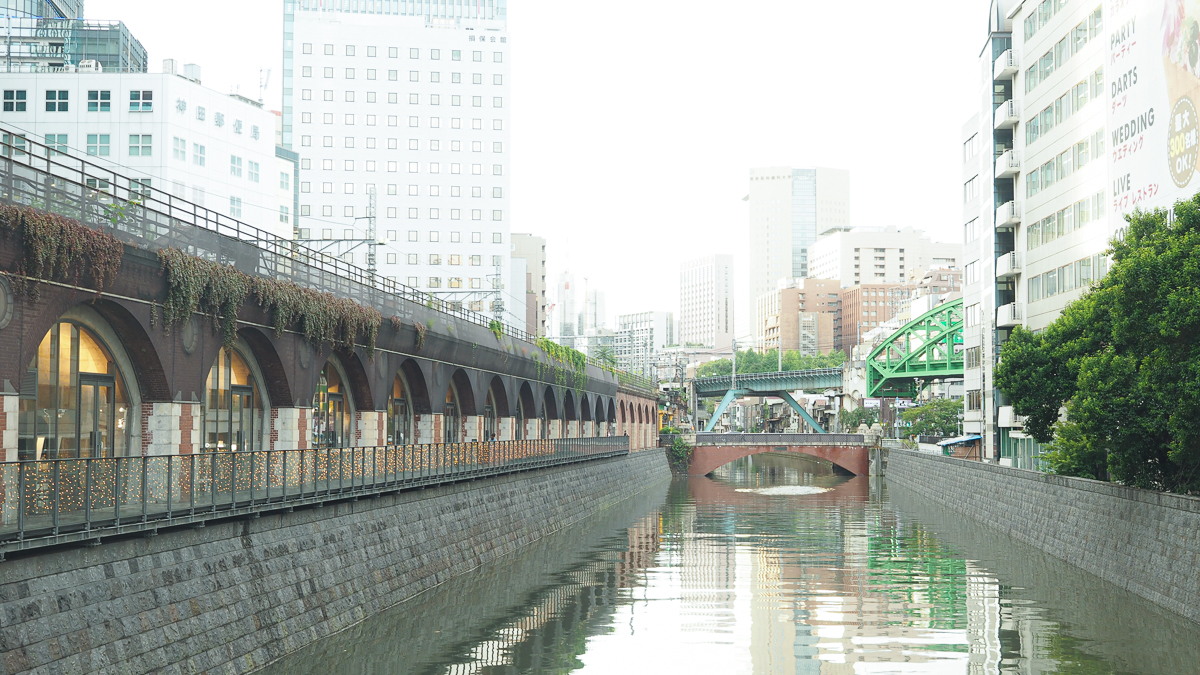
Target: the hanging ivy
(420, 333)
(496, 327)
(397, 324)
(197, 285)
(569, 365)
(56, 247)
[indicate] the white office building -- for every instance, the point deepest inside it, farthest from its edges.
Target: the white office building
(878, 255)
(1036, 217)
(163, 130)
(706, 302)
(789, 209)
(640, 337)
(410, 103)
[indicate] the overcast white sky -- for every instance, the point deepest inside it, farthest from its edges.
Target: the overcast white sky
(633, 132)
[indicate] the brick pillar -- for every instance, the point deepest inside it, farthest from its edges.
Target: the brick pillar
(472, 428)
(556, 428)
(427, 428)
(9, 420)
(532, 428)
(189, 428)
(160, 428)
(588, 428)
(506, 428)
(367, 428)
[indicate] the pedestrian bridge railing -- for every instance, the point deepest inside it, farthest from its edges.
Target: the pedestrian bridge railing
(79, 500)
(779, 439)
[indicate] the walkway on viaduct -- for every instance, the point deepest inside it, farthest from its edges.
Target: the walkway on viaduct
(89, 367)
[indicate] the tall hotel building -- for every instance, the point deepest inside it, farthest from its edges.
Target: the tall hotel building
(410, 101)
(1035, 213)
(789, 209)
(706, 302)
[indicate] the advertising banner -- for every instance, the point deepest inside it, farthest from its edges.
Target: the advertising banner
(1152, 73)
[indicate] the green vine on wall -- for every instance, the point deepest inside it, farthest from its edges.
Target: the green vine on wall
(497, 328)
(420, 333)
(569, 365)
(198, 285)
(57, 247)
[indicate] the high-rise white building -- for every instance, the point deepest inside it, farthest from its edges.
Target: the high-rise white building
(532, 250)
(1036, 216)
(789, 209)
(564, 315)
(706, 302)
(878, 255)
(639, 337)
(410, 102)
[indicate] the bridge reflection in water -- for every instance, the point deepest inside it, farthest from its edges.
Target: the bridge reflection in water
(721, 576)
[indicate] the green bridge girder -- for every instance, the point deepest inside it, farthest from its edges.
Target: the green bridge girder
(764, 383)
(930, 347)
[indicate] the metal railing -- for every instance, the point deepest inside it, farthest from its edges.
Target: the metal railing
(778, 439)
(771, 375)
(34, 174)
(60, 501)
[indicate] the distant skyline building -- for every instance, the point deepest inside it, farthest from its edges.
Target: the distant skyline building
(800, 314)
(564, 314)
(706, 304)
(532, 249)
(640, 337)
(789, 209)
(879, 255)
(42, 9)
(594, 315)
(400, 114)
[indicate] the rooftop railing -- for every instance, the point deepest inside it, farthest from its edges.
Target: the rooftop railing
(37, 175)
(64, 501)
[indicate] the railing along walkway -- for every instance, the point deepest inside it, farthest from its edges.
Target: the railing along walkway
(60, 501)
(778, 439)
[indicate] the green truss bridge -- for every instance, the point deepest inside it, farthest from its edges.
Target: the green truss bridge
(927, 349)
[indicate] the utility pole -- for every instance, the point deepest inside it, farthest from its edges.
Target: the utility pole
(372, 239)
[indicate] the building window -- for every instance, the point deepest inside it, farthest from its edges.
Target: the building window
(141, 101)
(179, 149)
(476, 260)
(56, 144)
(455, 259)
(285, 180)
(971, 189)
(235, 207)
(284, 215)
(975, 399)
(99, 100)
(253, 167)
(14, 100)
(140, 145)
(235, 166)
(435, 282)
(197, 154)
(56, 100)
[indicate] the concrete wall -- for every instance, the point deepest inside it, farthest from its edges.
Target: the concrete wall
(1145, 542)
(234, 596)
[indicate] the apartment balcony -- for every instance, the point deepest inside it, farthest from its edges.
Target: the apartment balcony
(1008, 165)
(1007, 115)
(1008, 215)
(1008, 265)
(1008, 316)
(1008, 419)
(1006, 65)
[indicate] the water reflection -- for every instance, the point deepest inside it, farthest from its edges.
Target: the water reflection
(707, 577)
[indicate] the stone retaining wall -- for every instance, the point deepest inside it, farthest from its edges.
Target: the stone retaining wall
(234, 596)
(1145, 542)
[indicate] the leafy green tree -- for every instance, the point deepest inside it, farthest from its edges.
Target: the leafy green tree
(749, 362)
(606, 356)
(936, 417)
(1123, 362)
(851, 419)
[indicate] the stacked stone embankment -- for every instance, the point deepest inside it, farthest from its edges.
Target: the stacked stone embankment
(1145, 542)
(233, 596)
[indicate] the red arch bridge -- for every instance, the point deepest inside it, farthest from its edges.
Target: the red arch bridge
(850, 452)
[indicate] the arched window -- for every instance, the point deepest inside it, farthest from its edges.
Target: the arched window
(489, 416)
(73, 400)
(544, 424)
(519, 423)
(399, 430)
(331, 410)
(232, 414)
(452, 419)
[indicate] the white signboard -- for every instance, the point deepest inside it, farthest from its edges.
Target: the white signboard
(1152, 75)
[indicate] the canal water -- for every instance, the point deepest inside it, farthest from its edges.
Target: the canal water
(773, 565)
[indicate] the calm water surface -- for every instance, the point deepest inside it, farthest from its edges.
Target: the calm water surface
(775, 565)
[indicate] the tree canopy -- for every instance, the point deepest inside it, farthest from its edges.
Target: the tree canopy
(768, 362)
(851, 419)
(936, 417)
(1122, 362)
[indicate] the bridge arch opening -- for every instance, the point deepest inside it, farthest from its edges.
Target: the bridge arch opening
(333, 407)
(549, 411)
(459, 398)
(399, 413)
(612, 416)
(598, 424)
(74, 399)
(525, 408)
(233, 410)
(495, 406)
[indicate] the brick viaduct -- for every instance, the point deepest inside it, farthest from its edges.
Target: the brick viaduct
(498, 385)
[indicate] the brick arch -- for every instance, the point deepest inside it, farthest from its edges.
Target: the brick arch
(500, 396)
(570, 413)
(550, 404)
(708, 458)
(275, 381)
(585, 408)
(612, 411)
(415, 387)
(359, 383)
(525, 394)
(466, 393)
(148, 372)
